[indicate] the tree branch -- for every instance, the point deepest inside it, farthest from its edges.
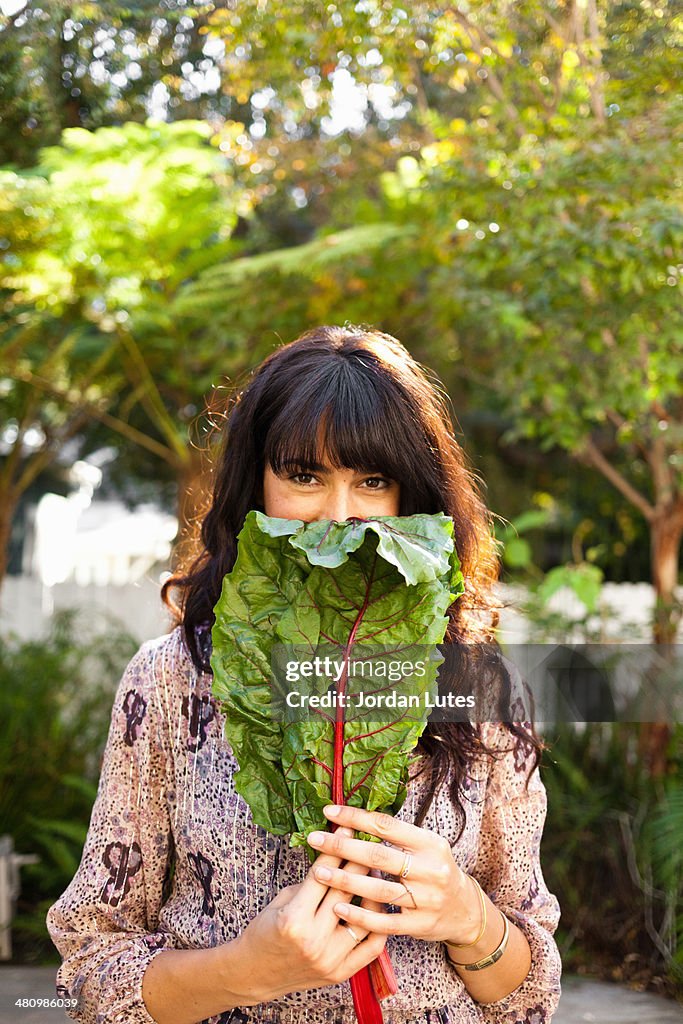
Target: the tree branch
(125, 429)
(662, 477)
(492, 79)
(151, 396)
(591, 455)
(576, 29)
(44, 457)
(618, 420)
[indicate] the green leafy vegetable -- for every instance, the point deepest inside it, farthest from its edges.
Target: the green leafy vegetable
(380, 585)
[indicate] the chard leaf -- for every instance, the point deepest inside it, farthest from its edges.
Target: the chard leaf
(386, 582)
(262, 585)
(419, 546)
(366, 610)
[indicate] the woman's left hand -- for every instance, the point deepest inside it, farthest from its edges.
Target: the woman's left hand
(437, 900)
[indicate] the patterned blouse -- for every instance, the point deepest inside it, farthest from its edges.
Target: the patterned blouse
(166, 797)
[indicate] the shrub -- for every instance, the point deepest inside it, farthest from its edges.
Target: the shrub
(612, 854)
(55, 704)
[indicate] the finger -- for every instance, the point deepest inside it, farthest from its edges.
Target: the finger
(385, 908)
(377, 823)
(372, 905)
(335, 895)
(344, 880)
(361, 851)
(365, 952)
(370, 921)
(355, 871)
(312, 890)
(362, 934)
(349, 934)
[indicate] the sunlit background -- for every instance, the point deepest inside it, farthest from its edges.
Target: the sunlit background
(185, 186)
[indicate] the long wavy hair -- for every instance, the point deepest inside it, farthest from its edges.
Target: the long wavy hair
(377, 409)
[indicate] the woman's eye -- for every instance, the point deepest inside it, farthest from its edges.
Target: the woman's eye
(377, 483)
(302, 478)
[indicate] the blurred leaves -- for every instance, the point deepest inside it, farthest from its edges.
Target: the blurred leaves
(97, 242)
(610, 856)
(507, 201)
(55, 704)
(584, 580)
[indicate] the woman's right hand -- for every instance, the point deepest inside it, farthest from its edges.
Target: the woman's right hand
(298, 943)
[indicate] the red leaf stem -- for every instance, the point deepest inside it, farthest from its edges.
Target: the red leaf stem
(378, 980)
(382, 976)
(365, 1002)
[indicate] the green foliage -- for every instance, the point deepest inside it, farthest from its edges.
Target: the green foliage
(611, 854)
(556, 281)
(664, 831)
(516, 551)
(320, 589)
(97, 243)
(523, 67)
(583, 580)
(125, 217)
(333, 278)
(77, 63)
(55, 707)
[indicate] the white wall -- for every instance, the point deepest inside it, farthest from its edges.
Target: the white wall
(26, 606)
(625, 610)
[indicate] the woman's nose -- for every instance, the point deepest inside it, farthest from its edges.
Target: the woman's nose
(337, 506)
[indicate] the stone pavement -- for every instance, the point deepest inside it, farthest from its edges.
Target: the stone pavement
(601, 1002)
(594, 1002)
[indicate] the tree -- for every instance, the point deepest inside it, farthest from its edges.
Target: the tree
(504, 108)
(558, 285)
(96, 246)
(79, 64)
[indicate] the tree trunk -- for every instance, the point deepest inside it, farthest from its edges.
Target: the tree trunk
(665, 542)
(8, 504)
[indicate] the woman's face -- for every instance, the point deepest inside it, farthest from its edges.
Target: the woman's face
(325, 492)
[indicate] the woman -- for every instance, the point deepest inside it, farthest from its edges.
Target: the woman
(182, 909)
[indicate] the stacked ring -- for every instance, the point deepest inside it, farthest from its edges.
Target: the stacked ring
(411, 894)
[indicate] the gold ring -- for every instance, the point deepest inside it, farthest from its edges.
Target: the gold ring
(410, 893)
(350, 929)
(403, 873)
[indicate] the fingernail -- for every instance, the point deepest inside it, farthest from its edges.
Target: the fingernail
(345, 832)
(323, 873)
(331, 809)
(316, 838)
(341, 908)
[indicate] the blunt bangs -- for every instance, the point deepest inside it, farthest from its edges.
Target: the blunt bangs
(347, 410)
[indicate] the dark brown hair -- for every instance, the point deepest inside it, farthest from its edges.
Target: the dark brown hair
(379, 410)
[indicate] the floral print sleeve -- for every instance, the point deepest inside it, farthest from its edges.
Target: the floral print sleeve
(508, 869)
(104, 923)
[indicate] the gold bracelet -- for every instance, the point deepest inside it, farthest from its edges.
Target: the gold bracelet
(482, 901)
(492, 958)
